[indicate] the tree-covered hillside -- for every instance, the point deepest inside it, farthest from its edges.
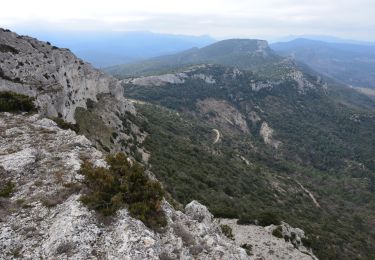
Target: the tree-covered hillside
(285, 147)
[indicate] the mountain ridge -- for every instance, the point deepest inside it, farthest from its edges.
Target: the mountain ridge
(244, 53)
(103, 48)
(351, 64)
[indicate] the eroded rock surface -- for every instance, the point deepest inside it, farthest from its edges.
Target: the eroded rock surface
(266, 132)
(62, 83)
(266, 246)
(222, 113)
(176, 78)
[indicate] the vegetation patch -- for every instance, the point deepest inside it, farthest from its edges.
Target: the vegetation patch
(246, 219)
(65, 125)
(123, 184)
(306, 242)
(13, 102)
(91, 124)
(248, 248)
(278, 232)
(7, 189)
(227, 231)
(268, 218)
(327, 145)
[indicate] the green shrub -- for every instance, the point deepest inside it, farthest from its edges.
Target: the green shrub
(248, 248)
(65, 125)
(108, 190)
(245, 219)
(6, 189)
(278, 232)
(227, 231)
(268, 218)
(306, 242)
(13, 102)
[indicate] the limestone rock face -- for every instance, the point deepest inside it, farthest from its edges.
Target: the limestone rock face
(191, 73)
(44, 218)
(222, 113)
(56, 77)
(61, 83)
(267, 134)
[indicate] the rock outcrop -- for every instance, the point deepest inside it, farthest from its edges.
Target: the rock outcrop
(266, 132)
(61, 83)
(264, 245)
(191, 73)
(223, 114)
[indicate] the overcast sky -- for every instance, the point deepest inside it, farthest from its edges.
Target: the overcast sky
(352, 19)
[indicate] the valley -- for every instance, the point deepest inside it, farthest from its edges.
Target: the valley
(287, 146)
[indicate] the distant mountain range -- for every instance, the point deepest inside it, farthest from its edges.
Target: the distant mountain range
(322, 38)
(352, 64)
(243, 53)
(104, 49)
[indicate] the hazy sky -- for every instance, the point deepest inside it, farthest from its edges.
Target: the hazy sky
(354, 19)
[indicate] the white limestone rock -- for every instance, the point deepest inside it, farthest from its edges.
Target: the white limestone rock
(266, 132)
(264, 245)
(60, 82)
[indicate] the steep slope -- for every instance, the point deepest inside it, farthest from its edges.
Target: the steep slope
(44, 218)
(42, 215)
(351, 64)
(246, 54)
(286, 146)
(65, 87)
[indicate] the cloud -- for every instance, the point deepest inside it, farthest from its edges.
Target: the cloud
(219, 18)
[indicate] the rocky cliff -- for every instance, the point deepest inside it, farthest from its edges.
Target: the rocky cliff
(61, 83)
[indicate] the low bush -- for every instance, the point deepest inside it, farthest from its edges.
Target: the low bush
(246, 219)
(13, 102)
(248, 248)
(268, 218)
(108, 190)
(6, 189)
(278, 232)
(227, 231)
(65, 125)
(306, 242)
